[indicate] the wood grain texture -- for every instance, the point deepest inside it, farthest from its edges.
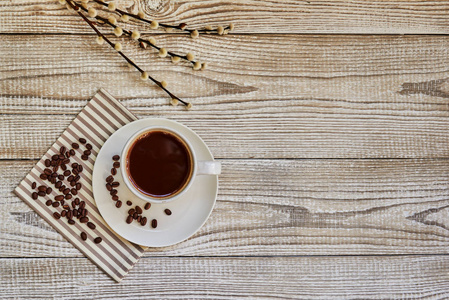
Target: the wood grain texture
(329, 97)
(283, 207)
(408, 277)
(278, 16)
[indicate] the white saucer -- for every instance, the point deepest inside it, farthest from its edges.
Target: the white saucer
(189, 212)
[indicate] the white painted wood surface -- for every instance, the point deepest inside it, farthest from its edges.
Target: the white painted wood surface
(332, 129)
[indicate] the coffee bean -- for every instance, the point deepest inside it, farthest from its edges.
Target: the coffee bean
(58, 184)
(53, 163)
(147, 206)
(138, 210)
(66, 161)
(113, 171)
(89, 146)
(63, 213)
(91, 225)
(66, 191)
(53, 180)
(43, 176)
(77, 201)
(55, 169)
(61, 177)
(72, 183)
(116, 157)
(61, 157)
(131, 211)
(80, 168)
(75, 212)
(83, 236)
(135, 216)
(75, 171)
(74, 192)
(56, 215)
(71, 222)
(67, 154)
(49, 190)
(82, 140)
(77, 178)
(47, 163)
(75, 146)
(47, 172)
(143, 222)
(129, 219)
(55, 204)
(55, 157)
(59, 197)
(78, 186)
(87, 152)
(61, 188)
(66, 206)
(129, 203)
(115, 184)
(67, 173)
(64, 167)
(98, 240)
(84, 157)
(84, 219)
(41, 193)
(74, 165)
(108, 187)
(118, 204)
(86, 212)
(82, 204)
(62, 202)
(154, 223)
(68, 196)
(48, 202)
(62, 149)
(33, 185)
(116, 164)
(115, 197)
(109, 179)
(70, 214)
(72, 152)
(113, 192)
(42, 188)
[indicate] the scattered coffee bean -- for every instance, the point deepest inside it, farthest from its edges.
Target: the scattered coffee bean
(147, 206)
(77, 178)
(62, 149)
(138, 210)
(118, 204)
(77, 201)
(55, 169)
(84, 157)
(41, 193)
(67, 154)
(115, 197)
(58, 184)
(78, 186)
(70, 214)
(135, 216)
(59, 197)
(114, 171)
(85, 212)
(62, 202)
(131, 211)
(47, 163)
(82, 140)
(87, 152)
(83, 236)
(66, 206)
(74, 165)
(109, 179)
(33, 185)
(116, 165)
(72, 152)
(71, 222)
(91, 225)
(55, 157)
(49, 190)
(72, 183)
(98, 240)
(139, 218)
(74, 192)
(129, 219)
(115, 184)
(89, 146)
(108, 187)
(167, 212)
(43, 177)
(75, 146)
(61, 177)
(129, 203)
(63, 167)
(61, 157)
(75, 171)
(42, 188)
(116, 157)
(66, 161)
(61, 188)
(75, 212)
(66, 191)
(56, 215)
(47, 172)
(63, 213)
(84, 219)
(67, 173)
(80, 168)
(113, 192)
(82, 204)
(154, 223)
(48, 202)
(143, 222)
(68, 197)
(53, 180)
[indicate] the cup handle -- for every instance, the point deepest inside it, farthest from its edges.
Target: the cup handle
(209, 168)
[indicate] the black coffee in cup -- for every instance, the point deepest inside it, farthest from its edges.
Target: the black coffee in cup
(159, 164)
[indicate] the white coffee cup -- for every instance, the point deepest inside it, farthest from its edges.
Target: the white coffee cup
(197, 167)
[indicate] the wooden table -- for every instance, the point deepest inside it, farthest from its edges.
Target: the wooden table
(330, 119)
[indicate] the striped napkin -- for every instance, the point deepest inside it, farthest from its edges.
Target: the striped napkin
(100, 118)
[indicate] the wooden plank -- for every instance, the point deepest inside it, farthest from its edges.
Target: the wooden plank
(330, 97)
(277, 16)
(412, 277)
(283, 207)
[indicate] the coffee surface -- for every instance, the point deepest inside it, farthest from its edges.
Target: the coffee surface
(159, 164)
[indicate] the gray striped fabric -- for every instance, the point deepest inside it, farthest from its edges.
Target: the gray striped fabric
(101, 117)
